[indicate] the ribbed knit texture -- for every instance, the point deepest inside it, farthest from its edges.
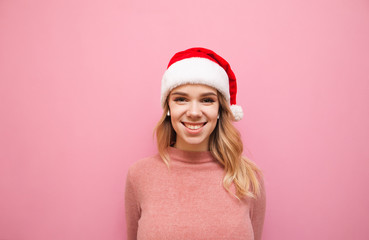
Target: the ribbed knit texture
(188, 201)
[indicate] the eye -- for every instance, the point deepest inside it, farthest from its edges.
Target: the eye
(179, 99)
(208, 100)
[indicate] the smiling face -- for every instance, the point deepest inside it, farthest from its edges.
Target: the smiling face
(193, 111)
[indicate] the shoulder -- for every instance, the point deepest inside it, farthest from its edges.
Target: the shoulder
(144, 166)
(262, 186)
(258, 210)
(259, 202)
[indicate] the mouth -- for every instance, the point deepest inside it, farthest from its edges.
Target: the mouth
(193, 126)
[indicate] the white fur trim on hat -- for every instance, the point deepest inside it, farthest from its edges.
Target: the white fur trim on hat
(237, 112)
(194, 70)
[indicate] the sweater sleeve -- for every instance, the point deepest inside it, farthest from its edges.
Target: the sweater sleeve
(258, 212)
(132, 208)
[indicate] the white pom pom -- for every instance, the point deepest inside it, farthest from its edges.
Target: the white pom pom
(237, 112)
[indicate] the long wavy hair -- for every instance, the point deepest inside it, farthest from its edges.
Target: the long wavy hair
(226, 146)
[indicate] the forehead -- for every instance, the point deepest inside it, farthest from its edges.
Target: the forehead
(194, 88)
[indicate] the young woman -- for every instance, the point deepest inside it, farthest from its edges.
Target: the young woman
(198, 186)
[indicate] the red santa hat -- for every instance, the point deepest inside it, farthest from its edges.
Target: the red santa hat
(201, 66)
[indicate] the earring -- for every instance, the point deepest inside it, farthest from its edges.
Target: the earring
(218, 116)
(168, 113)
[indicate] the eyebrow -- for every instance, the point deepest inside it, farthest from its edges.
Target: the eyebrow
(202, 95)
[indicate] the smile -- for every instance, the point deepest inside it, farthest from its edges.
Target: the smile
(193, 126)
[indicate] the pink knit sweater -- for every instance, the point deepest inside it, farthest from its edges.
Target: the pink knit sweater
(188, 201)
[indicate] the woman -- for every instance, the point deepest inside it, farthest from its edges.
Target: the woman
(198, 186)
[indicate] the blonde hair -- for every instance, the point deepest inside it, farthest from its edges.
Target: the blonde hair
(226, 146)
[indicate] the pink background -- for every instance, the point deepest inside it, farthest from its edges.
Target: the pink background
(80, 96)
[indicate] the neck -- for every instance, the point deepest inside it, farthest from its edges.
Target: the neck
(191, 147)
(176, 155)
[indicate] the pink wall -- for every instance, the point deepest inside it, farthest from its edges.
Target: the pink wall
(80, 95)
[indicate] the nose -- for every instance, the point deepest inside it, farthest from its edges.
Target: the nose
(194, 110)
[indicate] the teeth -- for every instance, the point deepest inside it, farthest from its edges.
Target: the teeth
(193, 127)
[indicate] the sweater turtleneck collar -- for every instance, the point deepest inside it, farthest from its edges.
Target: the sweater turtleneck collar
(190, 156)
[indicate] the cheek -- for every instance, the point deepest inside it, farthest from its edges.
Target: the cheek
(175, 117)
(213, 113)
(175, 114)
(177, 110)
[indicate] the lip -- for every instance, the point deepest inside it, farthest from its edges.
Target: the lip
(194, 131)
